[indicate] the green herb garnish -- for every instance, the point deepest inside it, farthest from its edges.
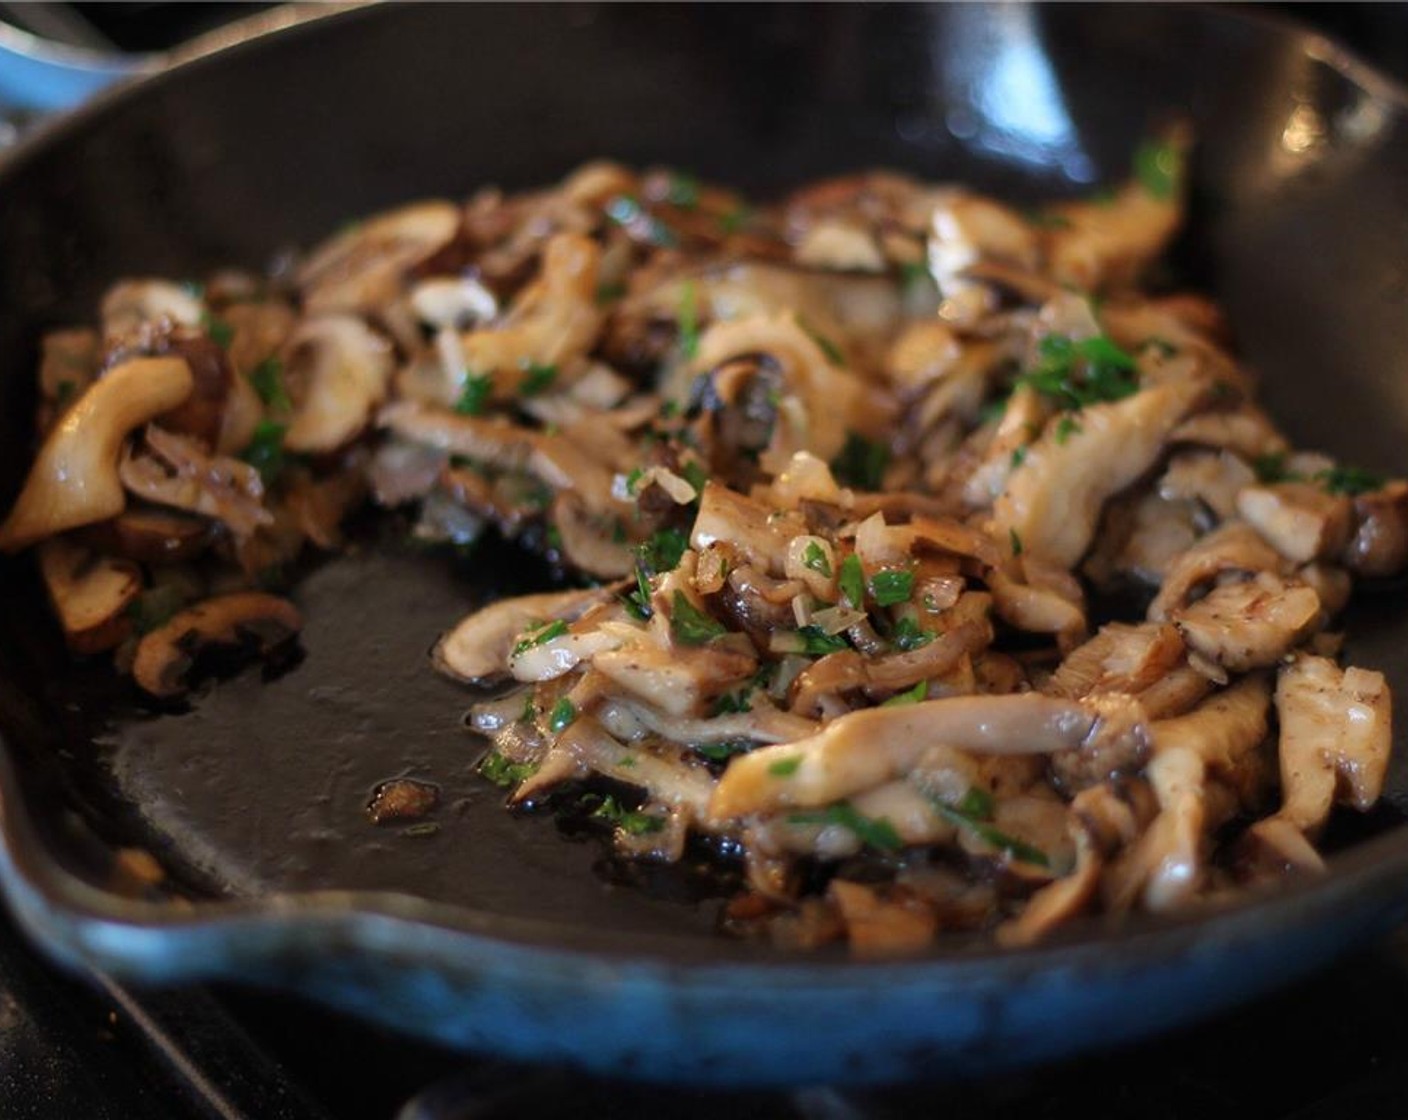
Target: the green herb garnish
(219, 331)
(1349, 480)
(785, 767)
(610, 293)
(536, 379)
(683, 190)
(1019, 456)
(890, 587)
(1066, 427)
(690, 625)
(734, 703)
(828, 347)
(475, 395)
(631, 821)
(662, 552)
(265, 452)
(563, 713)
(814, 557)
(877, 832)
(861, 463)
(910, 696)
(689, 319)
(1075, 374)
(908, 635)
(539, 635)
(1271, 468)
(1159, 168)
(816, 642)
(736, 219)
(723, 751)
(502, 772)
(1016, 542)
(268, 381)
(852, 581)
(964, 816)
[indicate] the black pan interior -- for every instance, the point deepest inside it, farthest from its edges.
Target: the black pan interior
(1300, 213)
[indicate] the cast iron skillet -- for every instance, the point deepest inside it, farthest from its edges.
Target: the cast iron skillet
(497, 933)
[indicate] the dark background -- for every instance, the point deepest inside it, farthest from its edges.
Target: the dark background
(1330, 1048)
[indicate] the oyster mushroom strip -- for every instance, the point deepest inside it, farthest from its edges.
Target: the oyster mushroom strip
(74, 480)
(1336, 736)
(90, 593)
(1251, 624)
(1205, 763)
(820, 401)
(554, 319)
(861, 750)
(338, 370)
(558, 462)
(478, 649)
(1053, 501)
(176, 471)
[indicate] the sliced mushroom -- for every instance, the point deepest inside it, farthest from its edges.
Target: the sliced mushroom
(1379, 547)
(1336, 736)
(152, 536)
(247, 618)
(1236, 547)
(365, 266)
(1300, 521)
(131, 304)
(91, 594)
(74, 480)
(338, 369)
(477, 649)
(175, 471)
(1251, 624)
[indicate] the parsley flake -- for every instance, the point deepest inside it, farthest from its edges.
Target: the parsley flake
(539, 635)
(563, 714)
(852, 581)
(475, 395)
(690, 625)
(861, 463)
(910, 696)
(890, 587)
(536, 379)
(267, 378)
(877, 832)
(265, 452)
(814, 557)
(785, 767)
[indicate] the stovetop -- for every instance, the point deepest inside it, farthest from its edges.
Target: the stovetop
(1330, 1048)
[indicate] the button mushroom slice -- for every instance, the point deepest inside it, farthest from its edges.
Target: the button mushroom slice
(477, 649)
(1235, 547)
(134, 303)
(1300, 521)
(1119, 658)
(1053, 503)
(750, 528)
(246, 618)
(74, 480)
(865, 748)
(1335, 739)
(1249, 624)
(366, 265)
(677, 681)
(337, 369)
(173, 470)
(1379, 546)
(589, 541)
(91, 594)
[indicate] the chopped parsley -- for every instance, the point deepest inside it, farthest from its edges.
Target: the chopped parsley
(973, 813)
(265, 452)
(852, 581)
(1349, 480)
(475, 395)
(502, 772)
(662, 552)
(219, 331)
(637, 602)
(690, 625)
(734, 703)
(1271, 468)
(910, 696)
(694, 473)
(563, 714)
(913, 273)
(1066, 427)
(814, 557)
(722, 752)
(268, 381)
(908, 635)
(683, 190)
(1159, 168)
(816, 642)
(539, 635)
(610, 293)
(631, 821)
(1016, 542)
(891, 586)
(785, 767)
(861, 463)
(536, 379)
(1075, 374)
(689, 319)
(1019, 456)
(877, 832)
(736, 219)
